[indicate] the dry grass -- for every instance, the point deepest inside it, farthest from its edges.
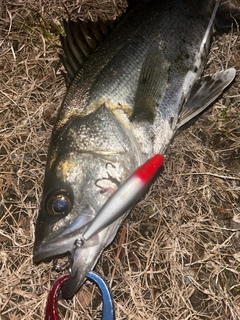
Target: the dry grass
(178, 254)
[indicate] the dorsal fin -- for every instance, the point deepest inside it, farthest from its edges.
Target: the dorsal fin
(152, 83)
(81, 39)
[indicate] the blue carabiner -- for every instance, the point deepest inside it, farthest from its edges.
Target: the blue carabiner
(108, 312)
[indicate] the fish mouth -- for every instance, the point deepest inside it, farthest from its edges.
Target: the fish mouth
(63, 243)
(85, 256)
(83, 259)
(55, 248)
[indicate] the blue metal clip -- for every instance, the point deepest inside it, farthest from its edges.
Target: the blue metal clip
(108, 312)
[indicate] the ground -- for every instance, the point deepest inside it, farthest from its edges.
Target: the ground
(177, 256)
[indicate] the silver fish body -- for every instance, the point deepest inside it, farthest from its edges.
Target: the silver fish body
(139, 86)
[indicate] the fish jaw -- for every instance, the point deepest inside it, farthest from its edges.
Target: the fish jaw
(63, 243)
(85, 257)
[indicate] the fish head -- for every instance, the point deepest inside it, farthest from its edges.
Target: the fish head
(88, 158)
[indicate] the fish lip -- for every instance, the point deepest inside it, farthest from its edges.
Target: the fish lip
(79, 256)
(58, 246)
(63, 243)
(52, 249)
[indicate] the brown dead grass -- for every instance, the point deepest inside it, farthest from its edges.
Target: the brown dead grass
(178, 254)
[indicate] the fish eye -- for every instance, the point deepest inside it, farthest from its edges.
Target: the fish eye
(59, 202)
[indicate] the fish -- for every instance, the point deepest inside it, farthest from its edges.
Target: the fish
(131, 87)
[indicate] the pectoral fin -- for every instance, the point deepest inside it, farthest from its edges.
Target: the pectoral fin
(153, 81)
(203, 93)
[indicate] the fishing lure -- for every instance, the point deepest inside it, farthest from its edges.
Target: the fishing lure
(125, 196)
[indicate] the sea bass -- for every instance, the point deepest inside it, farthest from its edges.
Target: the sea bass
(124, 104)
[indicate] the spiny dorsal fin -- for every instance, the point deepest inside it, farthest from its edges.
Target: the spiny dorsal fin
(205, 91)
(80, 40)
(153, 81)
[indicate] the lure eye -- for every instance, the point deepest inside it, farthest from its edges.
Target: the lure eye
(58, 203)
